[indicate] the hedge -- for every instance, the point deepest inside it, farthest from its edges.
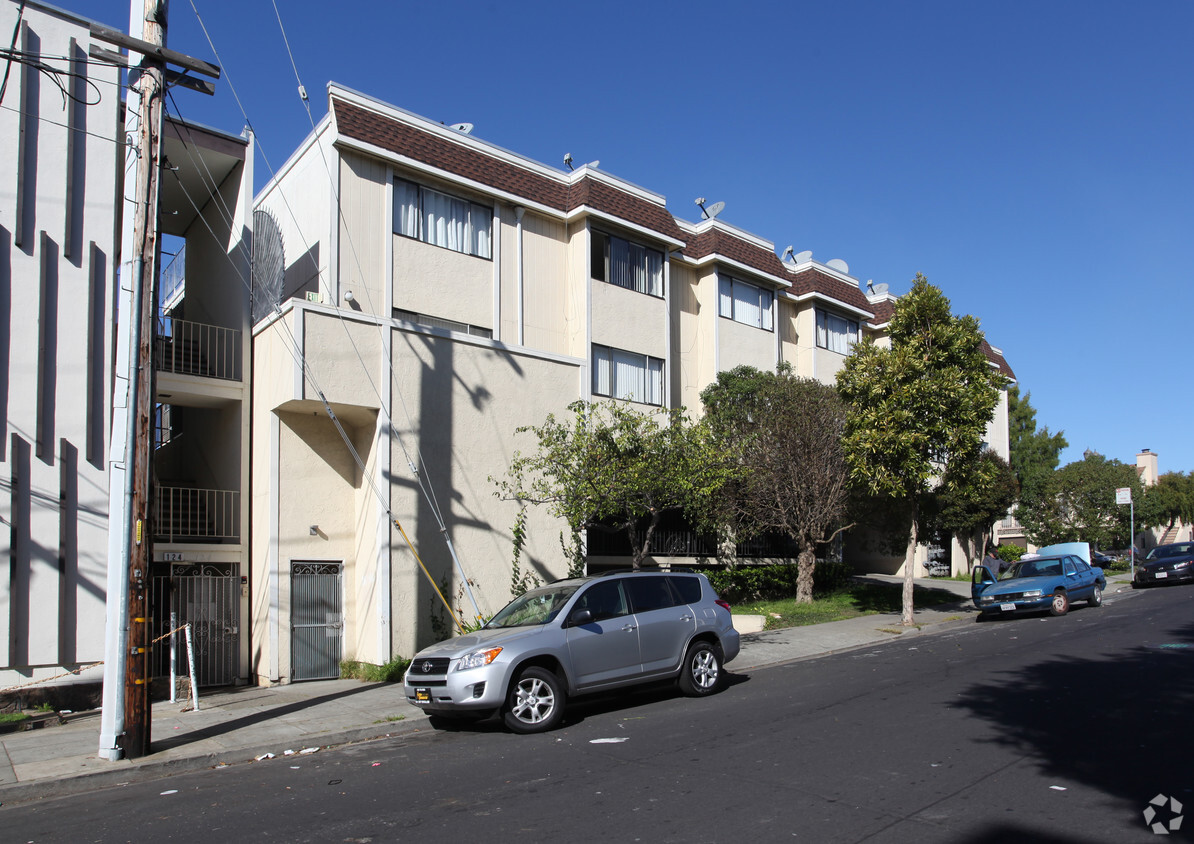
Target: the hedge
(775, 582)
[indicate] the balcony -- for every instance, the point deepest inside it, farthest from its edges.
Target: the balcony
(192, 348)
(190, 515)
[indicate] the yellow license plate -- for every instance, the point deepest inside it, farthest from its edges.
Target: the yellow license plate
(422, 695)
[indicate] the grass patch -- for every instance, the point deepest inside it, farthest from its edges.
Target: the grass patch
(391, 672)
(13, 717)
(390, 719)
(851, 602)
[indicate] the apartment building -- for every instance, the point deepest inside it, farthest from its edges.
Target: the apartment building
(437, 293)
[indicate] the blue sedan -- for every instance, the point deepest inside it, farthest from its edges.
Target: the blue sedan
(1038, 583)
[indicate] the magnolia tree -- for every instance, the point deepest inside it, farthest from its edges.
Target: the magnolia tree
(918, 407)
(610, 466)
(784, 435)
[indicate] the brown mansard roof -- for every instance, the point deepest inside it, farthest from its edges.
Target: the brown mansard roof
(476, 165)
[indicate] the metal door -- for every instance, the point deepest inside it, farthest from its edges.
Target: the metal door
(208, 596)
(316, 621)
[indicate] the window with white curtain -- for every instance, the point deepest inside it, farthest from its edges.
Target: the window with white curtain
(627, 264)
(441, 219)
(626, 375)
(745, 303)
(836, 333)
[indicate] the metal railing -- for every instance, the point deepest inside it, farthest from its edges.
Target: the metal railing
(186, 514)
(193, 348)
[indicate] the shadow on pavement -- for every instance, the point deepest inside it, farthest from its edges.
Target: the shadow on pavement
(259, 716)
(1106, 722)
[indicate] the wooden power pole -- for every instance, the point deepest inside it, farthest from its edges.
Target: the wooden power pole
(146, 243)
(151, 81)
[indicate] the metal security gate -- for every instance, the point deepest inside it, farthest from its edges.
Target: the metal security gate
(208, 596)
(317, 621)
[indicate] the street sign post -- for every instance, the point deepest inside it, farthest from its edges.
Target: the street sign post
(1123, 495)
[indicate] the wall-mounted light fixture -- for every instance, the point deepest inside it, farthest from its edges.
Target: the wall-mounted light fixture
(315, 530)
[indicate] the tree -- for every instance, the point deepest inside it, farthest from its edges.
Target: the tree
(973, 497)
(1169, 500)
(1077, 504)
(1034, 455)
(613, 467)
(918, 406)
(786, 438)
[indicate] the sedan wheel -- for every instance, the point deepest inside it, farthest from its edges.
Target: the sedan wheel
(1061, 603)
(701, 673)
(535, 703)
(1096, 597)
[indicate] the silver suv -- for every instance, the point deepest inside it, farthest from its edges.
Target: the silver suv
(577, 636)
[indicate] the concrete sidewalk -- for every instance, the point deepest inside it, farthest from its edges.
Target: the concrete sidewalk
(238, 725)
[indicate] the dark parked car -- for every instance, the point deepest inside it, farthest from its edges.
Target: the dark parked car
(1173, 563)
(587, 634)
(1101, 558)
(1038, 583)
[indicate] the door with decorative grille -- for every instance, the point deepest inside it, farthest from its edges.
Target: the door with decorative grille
(316, 620)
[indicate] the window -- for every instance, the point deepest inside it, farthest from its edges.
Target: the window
(437, 322)
(626, 264)
(649, 593)
(442, 220)
(744, 303)
(836, 333)
(626, 375)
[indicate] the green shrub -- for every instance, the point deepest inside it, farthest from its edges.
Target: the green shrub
(1009, 553)
(391, 672)
(775, 582)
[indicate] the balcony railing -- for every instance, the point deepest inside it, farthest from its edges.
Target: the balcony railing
(186, 514)
(192, 348)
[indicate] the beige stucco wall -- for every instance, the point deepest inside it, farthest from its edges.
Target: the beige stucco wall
(576, 293)
(547, 310)
(336, 364)
(789, 324)
(365, 220)
(744, 345)
(626, 319)
(442, 283)
(465, 402)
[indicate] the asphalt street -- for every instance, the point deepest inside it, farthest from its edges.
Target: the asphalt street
(1035, 728)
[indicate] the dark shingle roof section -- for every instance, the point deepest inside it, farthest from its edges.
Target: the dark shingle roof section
(997, 359)
(372, 128)
(883, 309)
(813, 280)
(618, 203)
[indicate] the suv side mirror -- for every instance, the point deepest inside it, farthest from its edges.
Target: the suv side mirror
(580, 617)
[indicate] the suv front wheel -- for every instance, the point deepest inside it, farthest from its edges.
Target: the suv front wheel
(535, 702)
(701, 673)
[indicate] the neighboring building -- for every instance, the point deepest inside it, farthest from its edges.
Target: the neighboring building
(438, 293)
(59, 245)
(58, 259)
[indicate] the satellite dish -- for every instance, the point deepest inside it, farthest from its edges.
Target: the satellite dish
(801, 257)
(880, 289)
(594, 163)
(466, 128)
(839, 265)
(713, 210)
(269, 264)
(787, 254)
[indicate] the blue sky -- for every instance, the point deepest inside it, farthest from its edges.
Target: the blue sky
(1035, 160)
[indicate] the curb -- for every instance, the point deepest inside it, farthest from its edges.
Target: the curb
(152, 769)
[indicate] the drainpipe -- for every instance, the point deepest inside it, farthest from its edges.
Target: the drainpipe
(518, 212)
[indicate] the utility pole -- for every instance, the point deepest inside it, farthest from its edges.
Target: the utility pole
(127, 673)
(150, 82)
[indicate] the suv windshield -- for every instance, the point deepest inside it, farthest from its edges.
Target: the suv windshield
(538, 606)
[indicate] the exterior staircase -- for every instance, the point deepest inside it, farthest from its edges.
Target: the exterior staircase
(1170, 535)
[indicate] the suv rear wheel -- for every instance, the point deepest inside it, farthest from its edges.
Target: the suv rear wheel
(701, 673)
(535, 702)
